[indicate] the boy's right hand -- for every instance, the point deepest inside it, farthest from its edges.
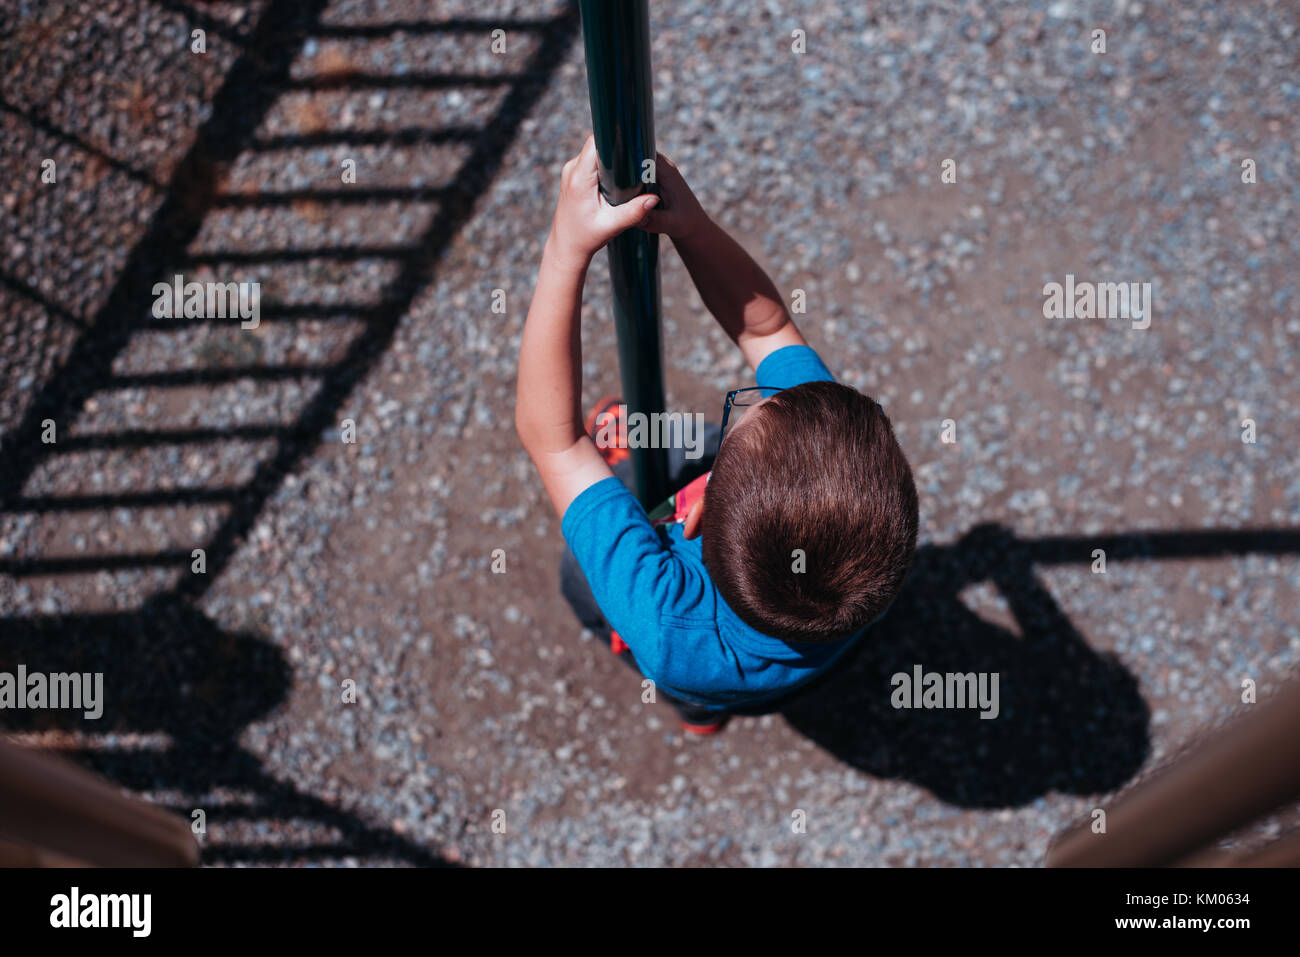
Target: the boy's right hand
(679, 213)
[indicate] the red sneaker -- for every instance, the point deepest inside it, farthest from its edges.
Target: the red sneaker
(704, 730)
(598, 423)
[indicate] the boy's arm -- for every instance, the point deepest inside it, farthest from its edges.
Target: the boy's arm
(547, 413)
(734, 288)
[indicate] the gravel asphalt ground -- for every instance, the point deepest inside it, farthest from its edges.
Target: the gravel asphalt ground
(371, 562)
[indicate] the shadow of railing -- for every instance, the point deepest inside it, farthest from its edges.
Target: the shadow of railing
(171, 669)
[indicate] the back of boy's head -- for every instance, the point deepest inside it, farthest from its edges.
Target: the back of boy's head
(815, 471)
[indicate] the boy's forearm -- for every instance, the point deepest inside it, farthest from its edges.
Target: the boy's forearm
(548, 416)
(735, 289)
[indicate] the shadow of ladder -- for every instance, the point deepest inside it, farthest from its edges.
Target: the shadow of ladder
(260, 75)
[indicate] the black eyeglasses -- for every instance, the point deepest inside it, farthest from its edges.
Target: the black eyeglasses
(746, 399)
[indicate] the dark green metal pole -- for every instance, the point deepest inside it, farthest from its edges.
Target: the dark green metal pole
(617, 38)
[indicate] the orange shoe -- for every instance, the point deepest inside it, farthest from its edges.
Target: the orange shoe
(703, 730)
(598, 422)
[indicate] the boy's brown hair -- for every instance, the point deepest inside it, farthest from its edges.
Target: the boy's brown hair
(817, 468)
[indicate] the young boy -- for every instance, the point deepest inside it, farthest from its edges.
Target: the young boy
(780, 558)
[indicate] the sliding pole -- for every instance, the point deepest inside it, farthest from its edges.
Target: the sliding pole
(617, 38)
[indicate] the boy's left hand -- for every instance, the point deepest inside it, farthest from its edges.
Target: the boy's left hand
(584, 221)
